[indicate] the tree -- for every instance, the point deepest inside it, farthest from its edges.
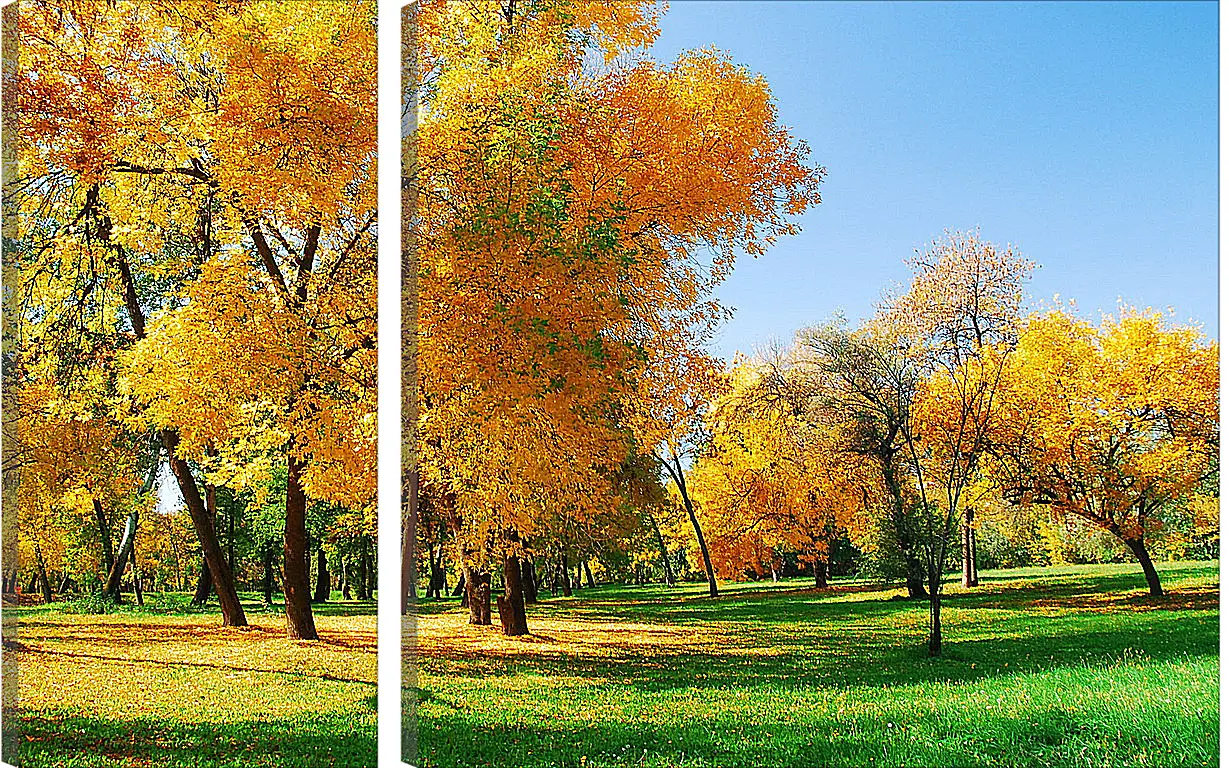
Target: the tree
(566, 213)
(1109, 424)
(224, 148)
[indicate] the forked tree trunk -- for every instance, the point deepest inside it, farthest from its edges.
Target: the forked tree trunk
(300, 624)
(321, 594)
(1136, 545)
(104, 533)
(43, 581)
(512, 601)
(478, 596)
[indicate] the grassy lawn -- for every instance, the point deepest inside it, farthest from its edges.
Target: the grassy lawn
(1069, 666)
(168, 687)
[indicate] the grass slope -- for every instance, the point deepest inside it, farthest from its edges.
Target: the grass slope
(1070, 666)
(168, 687)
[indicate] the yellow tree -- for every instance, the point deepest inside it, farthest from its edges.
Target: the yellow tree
(566, 188)
(1109, 424)
(165, 143)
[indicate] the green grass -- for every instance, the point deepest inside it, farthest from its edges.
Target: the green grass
(166, 685)
(1070, 666)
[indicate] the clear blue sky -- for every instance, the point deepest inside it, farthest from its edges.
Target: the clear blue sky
(1085, 134)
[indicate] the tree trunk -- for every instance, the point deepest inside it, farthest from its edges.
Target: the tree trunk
(372, 574)
(322, 578)
(589, 576)
(300, 625)
(409, 538)
(529, 581)
(136, 575)
(915, 580)
(567, 577)
(42, 573)
(665, 554)
(512, 602)
(204, 583)
(478, 596)
(360, 582)
(935, 646)
(104, 533)
(267, 582)
(1136, 545)
(345, 580)
(968, 552)
(459, 589)
(681, 482)
(820, 567)
(219, 572)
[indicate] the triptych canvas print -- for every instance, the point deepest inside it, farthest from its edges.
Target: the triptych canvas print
(780, 384)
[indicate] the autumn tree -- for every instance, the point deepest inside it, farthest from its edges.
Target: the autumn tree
(206, 169)
(1109, 424)
(567, 187)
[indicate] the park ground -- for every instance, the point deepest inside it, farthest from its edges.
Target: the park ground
(166, 686)
(1061, 666)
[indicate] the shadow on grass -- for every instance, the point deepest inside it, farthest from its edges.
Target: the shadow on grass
(1047, 736)
(343, 740)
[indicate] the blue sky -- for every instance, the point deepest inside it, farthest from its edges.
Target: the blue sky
(1085, 134)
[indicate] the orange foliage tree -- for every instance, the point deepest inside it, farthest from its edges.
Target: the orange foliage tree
(567, 187)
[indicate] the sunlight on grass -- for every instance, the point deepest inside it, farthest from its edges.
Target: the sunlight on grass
(138, 688)
(1066, 667)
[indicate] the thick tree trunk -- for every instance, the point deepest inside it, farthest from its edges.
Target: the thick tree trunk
(219, 572)
(204, 584)
(820, 567)
(478, 596)
(567, 577)
(512, 601)
(915, 581)
(321, 594)
(1136, 545)
(665, 554)
(300, 625)
(459, 589)
(529, 580)
(104, 533)
(589, 576)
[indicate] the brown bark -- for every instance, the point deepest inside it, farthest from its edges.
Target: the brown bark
(567, 577)
(300, 625)
(820, 567)
(968, 552)
(204, 584)
(512, 601)
(321, 594)
(220, 574)
(935, 645)
(589, 576)
(478, 596)
(1136, 545)
(529, 580)
(104, 533)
